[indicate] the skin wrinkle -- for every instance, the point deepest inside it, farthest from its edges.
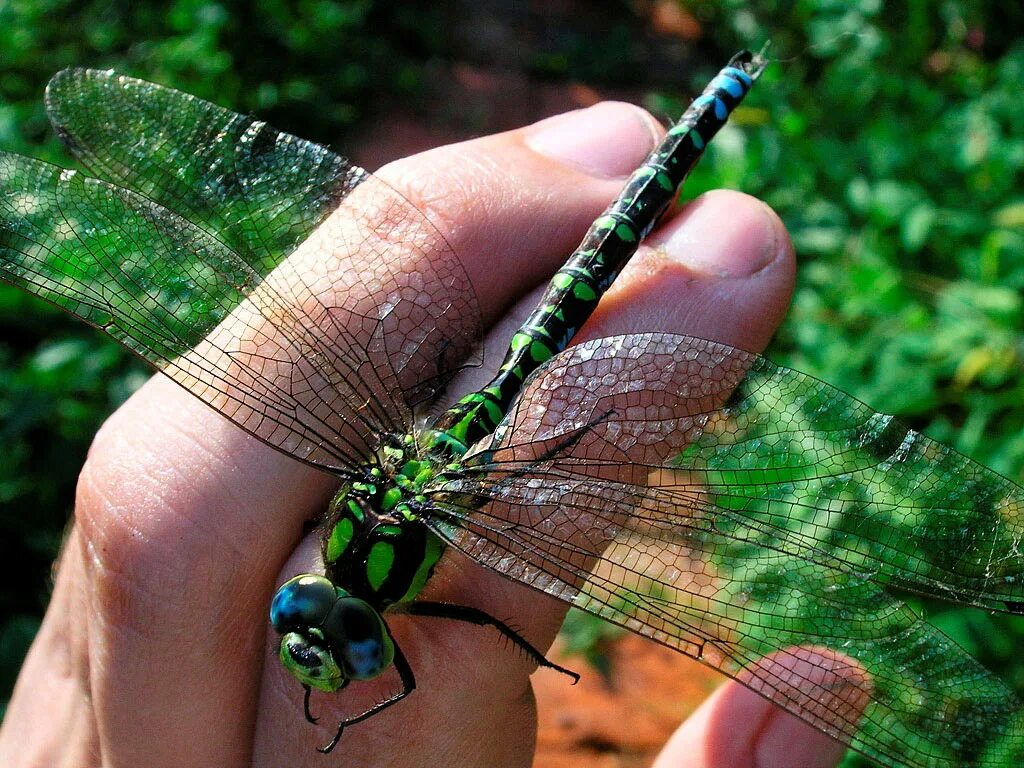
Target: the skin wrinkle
(496, 235)
(183, 480)
(766, 719)
(122, 556)
(458, 206)
(125, 592)
(69, 689)
(91, 661)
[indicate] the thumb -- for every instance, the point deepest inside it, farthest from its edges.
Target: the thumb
(737, 727)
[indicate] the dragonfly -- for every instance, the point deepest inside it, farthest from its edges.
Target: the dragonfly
(692, 492)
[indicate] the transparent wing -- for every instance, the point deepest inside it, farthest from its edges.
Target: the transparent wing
(318, 380)
(733, 509)
(205, 209)
(261, 192)
(780, 454)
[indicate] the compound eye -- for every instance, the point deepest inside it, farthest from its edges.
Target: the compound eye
(358, 638)
(310, 662)
(302, 602)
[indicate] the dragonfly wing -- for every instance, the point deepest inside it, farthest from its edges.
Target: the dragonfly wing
(780, 458)
(704, 497)
(263, 193)
(305, 376)
(754, 616)
(260, 191)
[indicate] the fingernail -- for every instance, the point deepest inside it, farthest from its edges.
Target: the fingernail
(607, 140)
(723, 234)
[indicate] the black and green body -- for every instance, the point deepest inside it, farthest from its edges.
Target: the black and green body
(612, 239)
(386, 502)
(378, 546)
(694, 493)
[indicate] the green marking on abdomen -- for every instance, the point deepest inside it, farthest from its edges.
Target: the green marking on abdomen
(432, 553)
(612, 239)
(379, 562)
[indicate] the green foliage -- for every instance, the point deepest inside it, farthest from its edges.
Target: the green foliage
(887, 137)
(893, 151)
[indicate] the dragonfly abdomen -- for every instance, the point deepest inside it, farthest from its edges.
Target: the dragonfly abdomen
(574, 292)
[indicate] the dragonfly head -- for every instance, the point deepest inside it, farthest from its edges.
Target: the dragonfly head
(328, 637)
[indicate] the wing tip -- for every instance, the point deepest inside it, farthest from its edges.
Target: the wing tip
(65, 78)
(57, 94)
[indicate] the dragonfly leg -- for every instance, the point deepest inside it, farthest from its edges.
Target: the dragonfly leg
(305, 705)
(408, 686)
(481, 619)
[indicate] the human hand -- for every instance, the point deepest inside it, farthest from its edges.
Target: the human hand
(156, 648)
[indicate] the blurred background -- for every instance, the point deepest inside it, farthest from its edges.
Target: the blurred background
(888, 136)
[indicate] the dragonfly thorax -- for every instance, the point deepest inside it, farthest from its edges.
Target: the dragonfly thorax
(377, 547)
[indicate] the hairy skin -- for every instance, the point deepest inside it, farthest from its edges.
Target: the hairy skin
(156, 649)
